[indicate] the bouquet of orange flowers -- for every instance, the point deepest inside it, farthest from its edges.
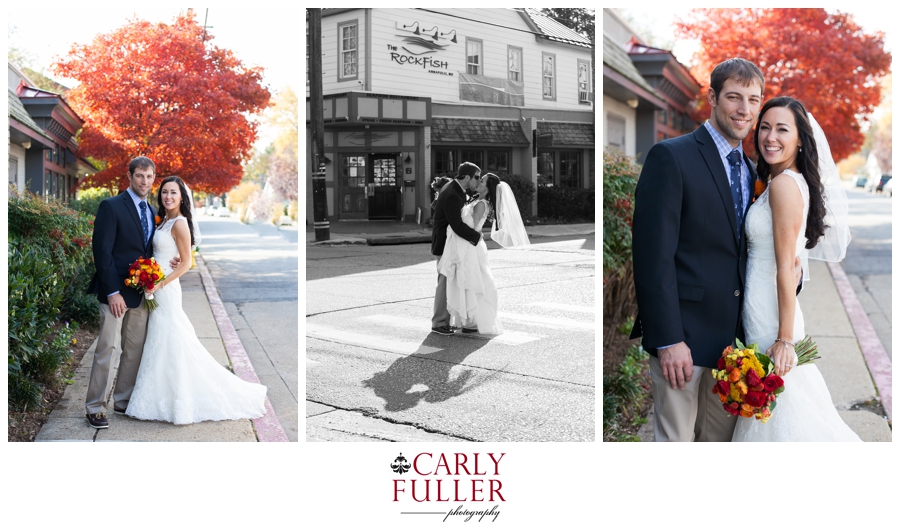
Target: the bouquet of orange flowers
(746, 381)
(144, 274)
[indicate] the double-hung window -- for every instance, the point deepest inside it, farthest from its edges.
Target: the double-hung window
(348, 52)
(515, 63)
(474, 59)
(548, 70)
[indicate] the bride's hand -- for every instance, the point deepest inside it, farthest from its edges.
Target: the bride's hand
(783, 356)
(156, 287)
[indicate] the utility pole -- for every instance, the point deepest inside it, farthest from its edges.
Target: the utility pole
(320, 199)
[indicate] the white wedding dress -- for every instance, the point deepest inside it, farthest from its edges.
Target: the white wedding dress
(804, 411)
(471, 291)
(178, 380)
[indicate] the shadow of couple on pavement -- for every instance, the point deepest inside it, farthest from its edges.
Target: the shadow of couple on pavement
(427, 377)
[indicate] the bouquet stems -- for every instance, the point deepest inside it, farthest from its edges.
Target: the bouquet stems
(807, 351)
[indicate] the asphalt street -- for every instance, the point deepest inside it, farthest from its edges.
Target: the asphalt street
(369, 349)
(868, 260)
(255, 268)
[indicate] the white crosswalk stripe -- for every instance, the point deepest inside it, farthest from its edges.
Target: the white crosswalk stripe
(564, 307)
(513, 338)
(319, 331)
(552, 322)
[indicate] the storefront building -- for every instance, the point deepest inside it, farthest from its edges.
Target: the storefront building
(409, 94)
(42, 141)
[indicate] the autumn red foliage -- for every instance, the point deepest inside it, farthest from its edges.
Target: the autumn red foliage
(825, 60)
(166, 92)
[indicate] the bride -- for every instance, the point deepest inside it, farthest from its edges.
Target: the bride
(802, 212)
(178, 380)
(471, 291)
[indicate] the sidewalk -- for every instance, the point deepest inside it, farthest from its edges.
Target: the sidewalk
(405, 233)
(845, 346)
(200, 301)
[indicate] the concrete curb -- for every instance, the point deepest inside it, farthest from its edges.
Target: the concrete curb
(880, 366)
(268, 428)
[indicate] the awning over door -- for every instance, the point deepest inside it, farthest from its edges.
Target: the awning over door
(477, 131)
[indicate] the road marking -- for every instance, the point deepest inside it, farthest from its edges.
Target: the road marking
(564, 307)
(548, 321)
(513, 338)
(319, 331)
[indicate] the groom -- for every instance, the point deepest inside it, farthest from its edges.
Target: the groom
(448, 212)
(690, 255)
(123, 231)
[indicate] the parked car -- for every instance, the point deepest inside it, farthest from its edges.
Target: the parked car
(888, 189)
(223, 212)
(860, 182)
(884, 180)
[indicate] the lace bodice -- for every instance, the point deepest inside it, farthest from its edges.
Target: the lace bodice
(468, 214)
(164, 246)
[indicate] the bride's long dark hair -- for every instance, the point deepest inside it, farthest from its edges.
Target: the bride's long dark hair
(492, 181)
(185, 206)
(807, 164)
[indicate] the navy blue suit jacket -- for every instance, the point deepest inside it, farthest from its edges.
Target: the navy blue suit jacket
(117, 243)
(448, 212)
(689, 264)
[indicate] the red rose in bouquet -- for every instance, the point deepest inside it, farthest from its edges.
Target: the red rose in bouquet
(771, 382)
(144, 274)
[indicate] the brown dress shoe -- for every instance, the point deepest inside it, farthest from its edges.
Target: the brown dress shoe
(442, 330)
(98, 420)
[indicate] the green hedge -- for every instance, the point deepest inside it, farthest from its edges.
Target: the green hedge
(567, 204)
(89, 200)
(50, 266)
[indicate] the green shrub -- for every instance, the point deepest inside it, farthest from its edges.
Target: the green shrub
(620, 175)
(566, 204)
(89, 200)
(50, 266)
(624, 394)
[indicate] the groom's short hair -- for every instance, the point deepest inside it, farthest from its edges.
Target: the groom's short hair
(467, 169)
(140, 162)
(741, 70)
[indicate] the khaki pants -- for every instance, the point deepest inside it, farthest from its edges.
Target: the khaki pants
(127, 333)
(441, 315)
(694, 414)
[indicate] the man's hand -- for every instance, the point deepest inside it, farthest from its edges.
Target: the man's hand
(174, 263)
(475, 244)
(117, 305)
(798, 270)
(677, 365)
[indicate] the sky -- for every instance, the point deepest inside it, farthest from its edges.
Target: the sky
(268, 36)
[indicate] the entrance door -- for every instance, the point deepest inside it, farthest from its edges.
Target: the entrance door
(383, 185)
(352, 184)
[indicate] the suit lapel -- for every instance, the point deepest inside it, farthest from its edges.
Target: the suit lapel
(136, 216)
(720, 178)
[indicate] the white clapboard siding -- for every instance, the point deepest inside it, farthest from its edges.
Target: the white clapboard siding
(389, 77)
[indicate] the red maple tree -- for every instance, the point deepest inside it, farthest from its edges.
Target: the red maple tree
(164, 91)
(825, 60)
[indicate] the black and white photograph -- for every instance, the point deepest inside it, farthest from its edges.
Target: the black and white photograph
(450, 258)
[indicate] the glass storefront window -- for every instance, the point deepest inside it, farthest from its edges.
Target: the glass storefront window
(569, 174)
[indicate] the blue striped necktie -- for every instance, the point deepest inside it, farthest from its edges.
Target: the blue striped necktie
(734, 159)
(144, 221)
